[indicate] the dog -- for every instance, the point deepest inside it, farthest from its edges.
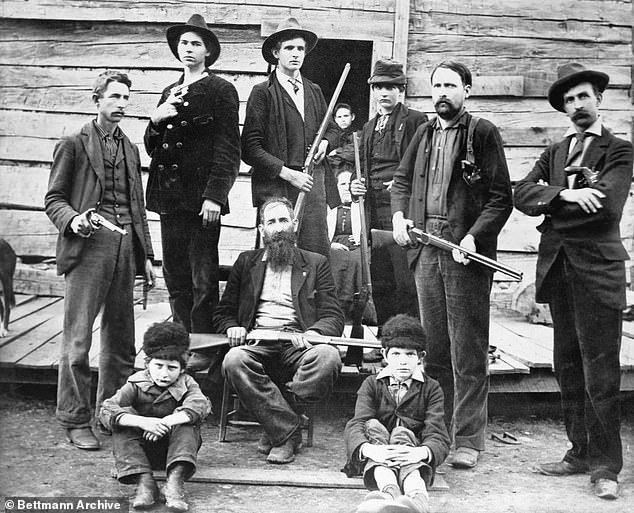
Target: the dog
(7, 269)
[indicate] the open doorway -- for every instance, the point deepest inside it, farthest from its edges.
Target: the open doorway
(325, 64)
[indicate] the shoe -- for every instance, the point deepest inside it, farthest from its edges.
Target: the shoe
(264, 444)
(103, 430)
(174, 489)
(464, 457)
(146, 492)
(606, 489)
(560, 468)
(285, 453)
(83, 438)
(198, 362)
(382, 505)
(418, 503)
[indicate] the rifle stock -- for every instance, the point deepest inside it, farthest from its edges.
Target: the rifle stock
(309, 163)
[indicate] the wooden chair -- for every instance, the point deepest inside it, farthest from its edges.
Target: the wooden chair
(231, 407)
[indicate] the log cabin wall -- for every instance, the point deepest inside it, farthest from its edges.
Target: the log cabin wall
(51, 51)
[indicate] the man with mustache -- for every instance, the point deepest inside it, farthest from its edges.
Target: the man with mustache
(97, 168)
(384, 140)
(281, 288)
(580, 185)
(453, 182)
(282, 117)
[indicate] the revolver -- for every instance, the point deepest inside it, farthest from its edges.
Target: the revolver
(97, 221)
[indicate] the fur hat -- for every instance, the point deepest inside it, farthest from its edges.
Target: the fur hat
(403, 331)
(166, 341)
(389, 72)
(194, 24)
(287, 29)
(569, 75)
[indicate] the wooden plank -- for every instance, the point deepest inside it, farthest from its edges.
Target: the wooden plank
(419, 84)
(521, 348)
(21, 347)
(117, 45)
(30, 306)
(40, 279)
(23, 184)
(25, 323)
(520, 233)
(23, 298)
(360, 24)
(282, 477)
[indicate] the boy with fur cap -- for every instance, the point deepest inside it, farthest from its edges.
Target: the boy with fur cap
(155, 419)
(398, 435)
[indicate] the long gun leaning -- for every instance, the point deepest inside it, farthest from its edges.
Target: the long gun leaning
(417, 236)
(309, 163)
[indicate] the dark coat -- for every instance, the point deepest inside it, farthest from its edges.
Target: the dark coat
(77, 182)
(421, 410)
(196, 154)
(265, 142)
(479, 208)
(591, 242)
(312, 287)
(406, 122)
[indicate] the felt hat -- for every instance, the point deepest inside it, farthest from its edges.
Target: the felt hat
(287, 29)
(569, 75)
(388, 71)
(196, 23)
(166, 341)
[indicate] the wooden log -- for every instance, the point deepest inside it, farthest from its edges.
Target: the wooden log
(117, 45)
(419, 84)
(373, 20)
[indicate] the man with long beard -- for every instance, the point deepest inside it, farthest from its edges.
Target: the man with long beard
(281, 288)
(453, 182)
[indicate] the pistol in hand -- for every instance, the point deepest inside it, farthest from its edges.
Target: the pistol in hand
(97, 221)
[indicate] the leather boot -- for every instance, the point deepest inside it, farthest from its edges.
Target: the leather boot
(174, 490)
(146, 492)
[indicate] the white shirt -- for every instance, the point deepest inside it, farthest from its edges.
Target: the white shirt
(595, 130)
(287, 83)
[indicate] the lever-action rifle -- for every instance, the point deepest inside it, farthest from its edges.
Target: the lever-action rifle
(309, 163)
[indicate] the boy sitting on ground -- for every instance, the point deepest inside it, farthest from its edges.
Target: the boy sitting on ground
(155, 419)
(398, 437)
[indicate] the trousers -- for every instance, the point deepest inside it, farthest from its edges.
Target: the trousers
(103, 278)
(274, 379)
(587, 343)
(191, 269)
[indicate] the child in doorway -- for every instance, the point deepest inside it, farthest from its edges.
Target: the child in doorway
(155, 419)
(398, 437)
(341, 158)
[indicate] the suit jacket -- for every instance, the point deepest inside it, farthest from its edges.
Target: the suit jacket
(265, 143)
(202, 142)
(312, 287)
(479, 207)
(406, 122)
(77, 182)
(421, 410)
(591, 242)
(355, 221)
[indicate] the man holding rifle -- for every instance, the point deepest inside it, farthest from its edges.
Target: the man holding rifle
(453, 182)
(283, 116)
(280, 288)
(96, 181)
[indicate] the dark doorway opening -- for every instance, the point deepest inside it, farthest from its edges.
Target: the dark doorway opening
(325, 64)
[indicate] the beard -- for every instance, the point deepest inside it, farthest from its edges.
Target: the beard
(446, 110)
(280, 249)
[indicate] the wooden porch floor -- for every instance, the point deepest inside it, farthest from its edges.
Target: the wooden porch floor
(523, 360)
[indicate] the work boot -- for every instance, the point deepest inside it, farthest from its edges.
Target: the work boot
(264, 444)
(285, 453)
(417, 503)
(174, 490)
(146, 492)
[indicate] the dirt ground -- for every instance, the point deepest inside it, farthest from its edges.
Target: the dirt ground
(37, 461)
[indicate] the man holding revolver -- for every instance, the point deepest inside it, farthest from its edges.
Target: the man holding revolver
(97, 170)
(194, 141)
(580, 185)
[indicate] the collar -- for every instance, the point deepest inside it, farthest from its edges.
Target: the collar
(594, 129)
(143, 380)
(116, 133)
(283, 78)
(417, 375)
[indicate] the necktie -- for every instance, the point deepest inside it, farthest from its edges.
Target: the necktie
(111, 147)
(380, 125)
(577, 149)
(398, 390)
(295, 83)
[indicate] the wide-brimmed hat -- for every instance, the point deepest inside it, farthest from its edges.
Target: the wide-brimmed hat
(569, 75)
(388, 71)
(194, 24)
(287, 29)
